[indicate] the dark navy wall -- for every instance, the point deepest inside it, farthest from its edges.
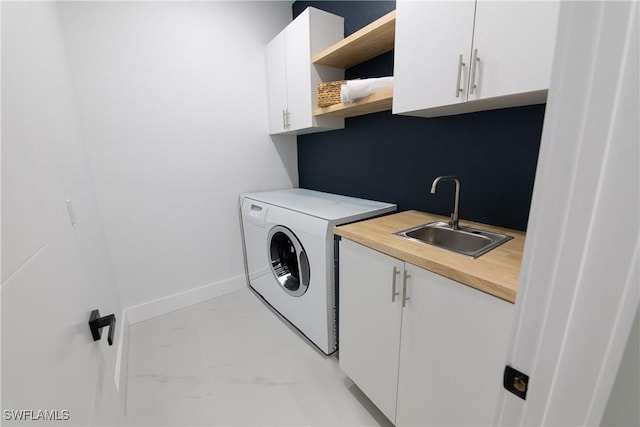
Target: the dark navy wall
(395, 158)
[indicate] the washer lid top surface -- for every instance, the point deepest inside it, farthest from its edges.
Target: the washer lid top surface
(331, 207)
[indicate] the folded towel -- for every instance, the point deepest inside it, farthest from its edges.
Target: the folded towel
(354, 89)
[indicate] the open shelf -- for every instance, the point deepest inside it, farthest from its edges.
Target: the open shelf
(380, 101)
(366, 43)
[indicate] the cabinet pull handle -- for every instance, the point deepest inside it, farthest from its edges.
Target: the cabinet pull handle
(405, 298)
(393, 288)
(474, 64)
(460, 65)
(285, 119)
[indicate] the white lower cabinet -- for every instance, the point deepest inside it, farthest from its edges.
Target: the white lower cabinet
(369, 322)
(425, 349)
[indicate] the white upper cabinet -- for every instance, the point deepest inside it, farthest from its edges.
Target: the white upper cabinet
(463, 56)
(293, 79)
(431, 38)
(277, 83)
(515, 42)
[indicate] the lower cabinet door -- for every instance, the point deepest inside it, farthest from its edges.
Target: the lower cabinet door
(453, 346)
(369, 322)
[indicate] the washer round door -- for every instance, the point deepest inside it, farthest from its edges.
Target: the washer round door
(289, 262)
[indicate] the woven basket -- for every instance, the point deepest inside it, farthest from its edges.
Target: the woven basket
(329, 93)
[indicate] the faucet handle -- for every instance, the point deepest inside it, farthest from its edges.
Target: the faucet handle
(453, 222)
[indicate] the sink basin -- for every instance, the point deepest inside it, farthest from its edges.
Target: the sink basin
(466, 240)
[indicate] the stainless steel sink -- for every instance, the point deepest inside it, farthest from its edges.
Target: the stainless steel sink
(465, 240)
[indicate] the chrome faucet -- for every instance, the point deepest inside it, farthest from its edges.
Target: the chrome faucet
(454, 216)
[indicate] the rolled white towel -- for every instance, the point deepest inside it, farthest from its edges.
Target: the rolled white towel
(355, 89)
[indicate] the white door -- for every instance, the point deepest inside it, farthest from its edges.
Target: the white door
(578, 291)
(514, 42)
(431, 37)
(370, 316)
(53, 273)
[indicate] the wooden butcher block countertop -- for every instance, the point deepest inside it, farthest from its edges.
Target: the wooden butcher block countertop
(496, 272)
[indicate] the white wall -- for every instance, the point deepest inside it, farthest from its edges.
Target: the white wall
(53, 273)
(622, 407)
(173, 106)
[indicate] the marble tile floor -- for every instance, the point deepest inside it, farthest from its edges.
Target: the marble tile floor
(231, 361)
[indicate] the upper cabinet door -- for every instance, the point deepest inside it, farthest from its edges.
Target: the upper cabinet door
(277, 83)
(515, 43)
(297, 46)
(430, 37)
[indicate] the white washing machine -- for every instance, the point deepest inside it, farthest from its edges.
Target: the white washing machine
(289, 253)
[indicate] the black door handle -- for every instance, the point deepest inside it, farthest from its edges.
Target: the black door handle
(96, 323)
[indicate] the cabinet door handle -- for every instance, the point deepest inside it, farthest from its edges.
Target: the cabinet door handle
(286, 114)
(393, 287)
(460, 65)
(284, 119)
(405, 298)
(474, 64)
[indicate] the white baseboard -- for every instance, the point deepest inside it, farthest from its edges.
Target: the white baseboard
(148, 310)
